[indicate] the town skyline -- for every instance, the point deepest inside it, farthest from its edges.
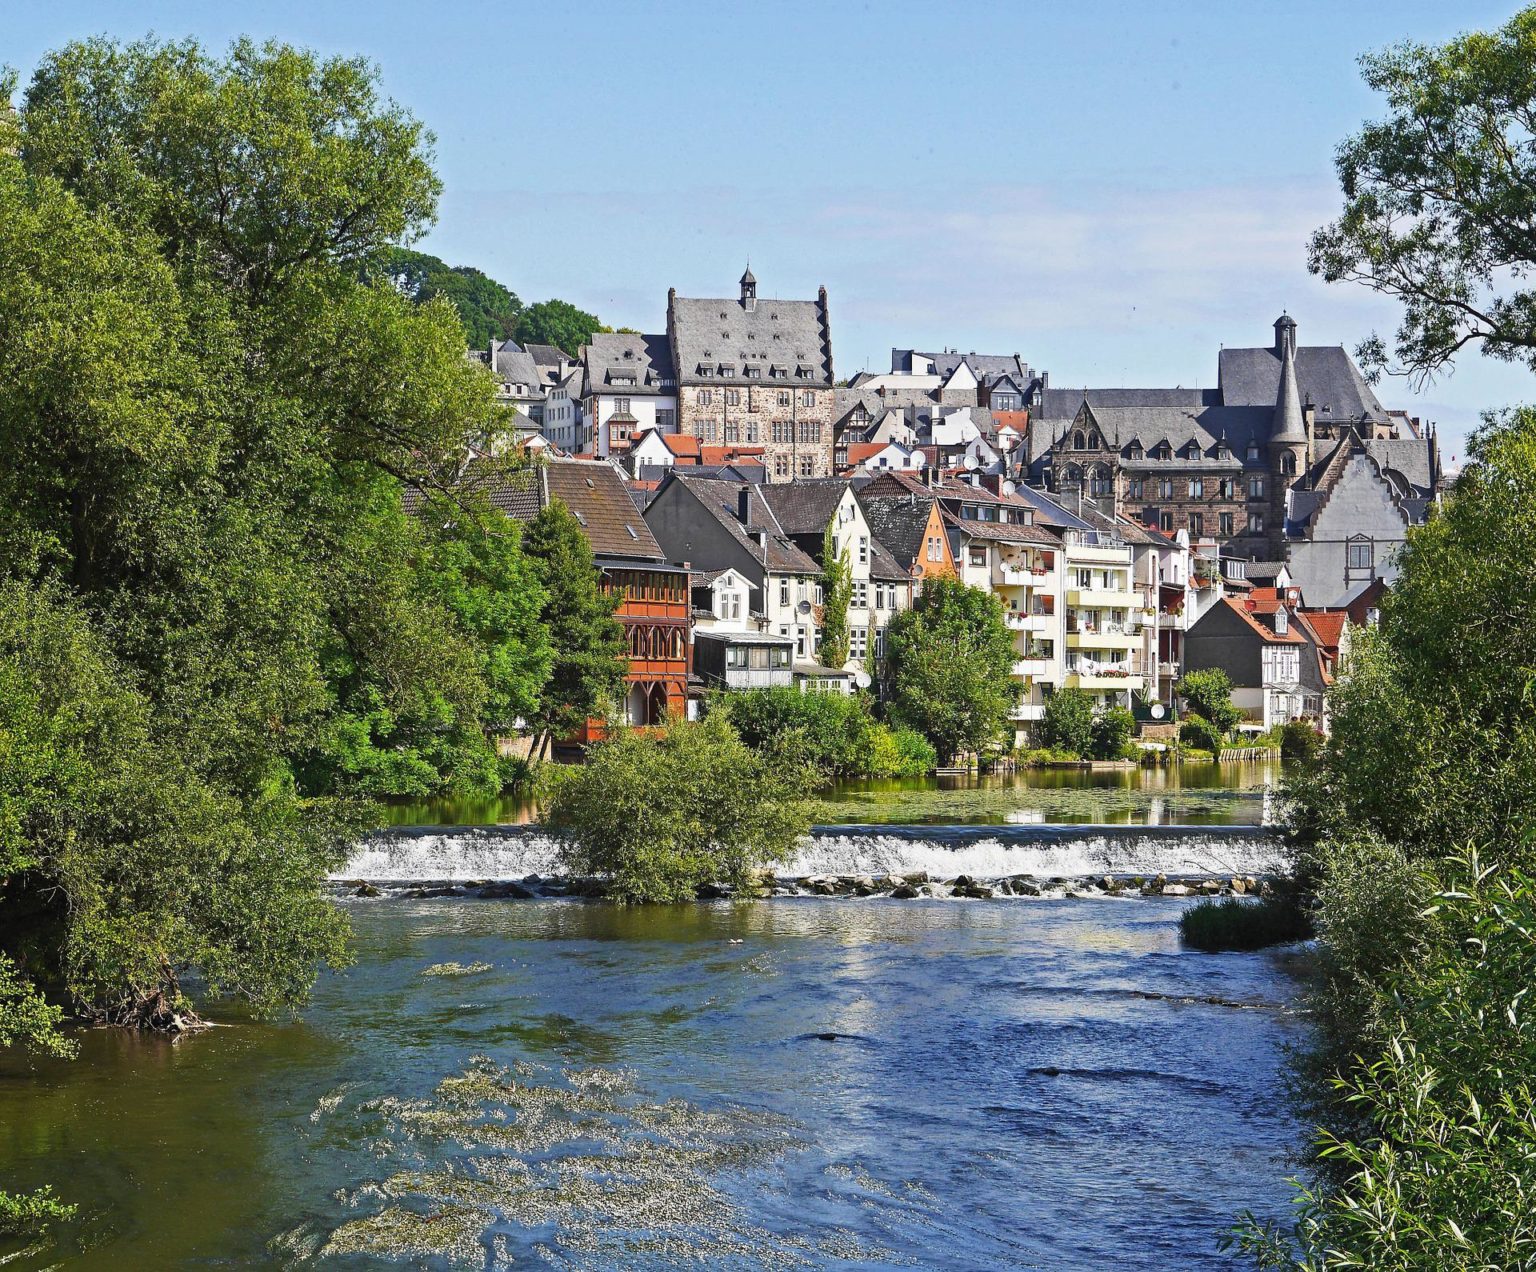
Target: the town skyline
(1111, 228)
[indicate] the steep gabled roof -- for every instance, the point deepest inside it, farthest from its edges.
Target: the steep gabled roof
(596, 494)
(1326, 376)
(789, 342)
(806, 506)
(899, 523)
(721, 499)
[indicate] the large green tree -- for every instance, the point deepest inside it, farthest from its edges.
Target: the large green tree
(558, 323)
(209, 412)
(1440, 199)
(951, 667)
(488, 310)
(587, 676)
(836, 593)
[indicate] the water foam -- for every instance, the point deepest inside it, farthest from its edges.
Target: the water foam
(409, 854)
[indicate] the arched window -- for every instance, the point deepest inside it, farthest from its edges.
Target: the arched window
(1101, 483)
(1079, 442)
(1288, 463)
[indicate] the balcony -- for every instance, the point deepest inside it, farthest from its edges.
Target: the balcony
(1103, 680)
(1028, 711)
(1022, 575)
(1018, 621)
(1031, 666)
(1168, 670)
(1109, 638)
(1100, 598)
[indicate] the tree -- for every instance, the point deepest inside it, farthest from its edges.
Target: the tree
(209, 413)
(587, 674)
(951, 659)
(1110, 732)
(662, 814)
(1068, 721)
(1440, 199)
(1208, 693)
(834, 733)
(558, 323)
(836, 592)
(489, 311)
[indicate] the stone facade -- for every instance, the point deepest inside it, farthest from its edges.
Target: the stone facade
(754, 372)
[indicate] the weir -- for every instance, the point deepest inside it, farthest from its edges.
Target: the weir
(418, 853)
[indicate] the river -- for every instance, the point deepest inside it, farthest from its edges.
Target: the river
(799, 1082)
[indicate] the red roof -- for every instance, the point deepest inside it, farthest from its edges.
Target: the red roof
(681, 444)
(1017, 420)
(1291, 637)
(858, 452)
(1329, 626)
(714, 456)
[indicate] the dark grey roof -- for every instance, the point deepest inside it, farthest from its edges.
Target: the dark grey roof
(1408, 456)
(1263, 571)
(1061, 405)
(545, 355)
(985, 366)
(1288, 425)
(789, 341)
(1325, 375)
(806, 506)
(721, 500)
(898, 522)
(611, 357)
(515, 366)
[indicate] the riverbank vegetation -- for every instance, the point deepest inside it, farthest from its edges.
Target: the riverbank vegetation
(1415, 827)
(1236, 924)
(663, 813)
(835, 734)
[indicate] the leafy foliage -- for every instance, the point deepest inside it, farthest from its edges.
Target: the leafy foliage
(31, 1212)
(834, 733)
(587, 672)
(837, 592)
(1208, 693)
(1067, 724)
(1234, 924)
(951, 664)
(662, 813)
(1110, 733)
(558, 323)
(489, 311)
(1440, 197)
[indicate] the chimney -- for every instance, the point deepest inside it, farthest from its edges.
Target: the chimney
(744, 505)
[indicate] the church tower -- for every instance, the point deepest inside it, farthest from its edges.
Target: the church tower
(1287, 435)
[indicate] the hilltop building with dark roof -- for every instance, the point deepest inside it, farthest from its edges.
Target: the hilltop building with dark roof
(1233, 462)
(756, 372)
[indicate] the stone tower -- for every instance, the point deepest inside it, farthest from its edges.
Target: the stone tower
(1287, 436)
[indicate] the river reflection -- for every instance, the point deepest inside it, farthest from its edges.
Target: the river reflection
(1029, 1084)
(1197, 794)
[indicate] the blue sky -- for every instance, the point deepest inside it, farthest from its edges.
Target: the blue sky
(1111, 190)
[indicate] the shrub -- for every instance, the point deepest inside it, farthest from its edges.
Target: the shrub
(1047, 755)
(1110, 732)
(1234, 924)
(1208, 693)
(898, 753)
(1068, 722)
(1196, 731)
(836, 734)
(31, 1213)
(662, 814)
(1300, 740)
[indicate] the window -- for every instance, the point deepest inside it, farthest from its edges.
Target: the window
(1102, 484)
(1197, 488)
(733, 397)
(784, 397)
(1253, 450)
(784, 593)
(879, 596)
(666, 417)
(735, 655)
(1135, 488)
(1196, 525)
(1165, 488)
(810, 431)
(858, 643)
(1255, 523)
(1361, 554)
(732, 431)
(781, 431)
(1255, 487)
(1165, 521)
(708, 431)
(729, 607)
(863, 550)
(1228, 488)
(807, 399)
(880, 643)
(935, 552)
(781, 465)
(778, 656)
(1162, 451)
(1079, 442)
(1085, 578)
(706, 397)
(978, 555)
(1288, 463)
(752, 431)
(1134, 451)
(621, 406)
(860, 594)
(1226, 525)
(807, 465)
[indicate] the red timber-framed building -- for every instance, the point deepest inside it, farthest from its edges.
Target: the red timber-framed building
(655, 609)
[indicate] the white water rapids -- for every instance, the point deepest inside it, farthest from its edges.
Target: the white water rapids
(450, 853)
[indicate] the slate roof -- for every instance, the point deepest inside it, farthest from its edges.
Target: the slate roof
(598, 497)
(1263, 571)
(899, 523)
(805, 506)
(611, 356)
(988, 366)
(1325, 375)
(1409, 456)
(514, 365)
(788, 341)
(545, 355)
(720, 499)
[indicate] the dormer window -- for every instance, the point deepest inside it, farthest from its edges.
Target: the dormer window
(706, 370)
(1134, 451)
(1253, 450)
(1162, 451)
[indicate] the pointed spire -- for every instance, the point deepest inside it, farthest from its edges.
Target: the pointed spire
(1289, 424)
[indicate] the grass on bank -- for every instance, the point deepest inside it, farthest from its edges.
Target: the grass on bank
(1233, 923)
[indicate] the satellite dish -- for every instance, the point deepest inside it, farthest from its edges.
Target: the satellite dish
(970, 462)
(1157, 711)
(862, 679)
(805, 607)
(1010, 487)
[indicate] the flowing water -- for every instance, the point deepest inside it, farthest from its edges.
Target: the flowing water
(797, 1082)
